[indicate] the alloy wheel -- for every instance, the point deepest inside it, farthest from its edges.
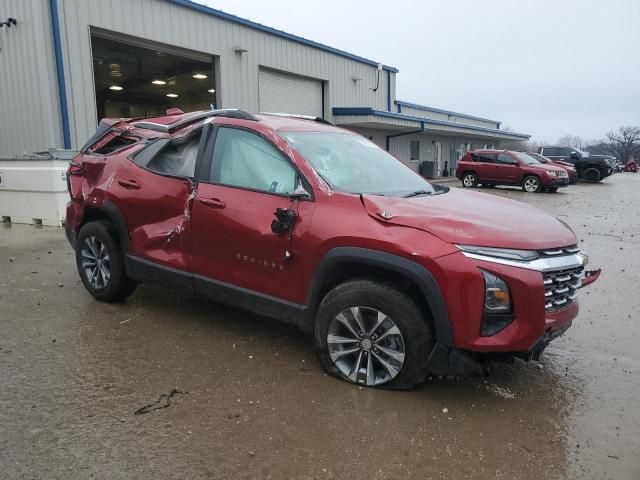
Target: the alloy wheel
(366, 346)
(531, 185)
(95, 263)
(468, 180)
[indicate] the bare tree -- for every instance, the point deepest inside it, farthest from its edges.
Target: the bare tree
(571, 141)
(625, 142)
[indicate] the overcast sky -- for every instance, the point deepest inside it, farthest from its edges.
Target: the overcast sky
(543, 67)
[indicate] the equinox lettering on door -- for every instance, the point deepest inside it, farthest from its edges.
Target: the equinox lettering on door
(259, 261)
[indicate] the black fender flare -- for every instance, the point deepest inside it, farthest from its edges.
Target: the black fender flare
(422, 277)
(113, 213)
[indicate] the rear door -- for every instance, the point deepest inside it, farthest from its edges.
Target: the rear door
(245, 178)
(485, 163)
(153, 190)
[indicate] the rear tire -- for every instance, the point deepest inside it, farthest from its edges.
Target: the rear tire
(469, 180)
(531, 184)
(100, 263)
(386, 336)
(591, 175)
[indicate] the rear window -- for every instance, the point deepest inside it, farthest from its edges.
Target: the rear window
(484, 157)
(175, 157)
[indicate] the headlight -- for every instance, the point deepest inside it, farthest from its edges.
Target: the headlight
(497, 298)
(506, 253)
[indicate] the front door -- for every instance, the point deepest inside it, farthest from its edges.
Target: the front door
(507, 169)
(234, 247)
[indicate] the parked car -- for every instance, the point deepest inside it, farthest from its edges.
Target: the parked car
(302, 221)
(591, 168)
(571, 170)
(503, 167)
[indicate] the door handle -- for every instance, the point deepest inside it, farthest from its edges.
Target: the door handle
(212, 202)
(129, 184)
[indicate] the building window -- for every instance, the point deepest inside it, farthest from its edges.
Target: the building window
(414, 147)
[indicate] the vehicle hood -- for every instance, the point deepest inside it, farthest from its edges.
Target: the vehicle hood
(473, 218)
(547, 167)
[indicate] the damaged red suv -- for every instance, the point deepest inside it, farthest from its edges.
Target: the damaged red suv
(299, 220)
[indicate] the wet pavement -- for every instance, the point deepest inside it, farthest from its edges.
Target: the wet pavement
(73, 372)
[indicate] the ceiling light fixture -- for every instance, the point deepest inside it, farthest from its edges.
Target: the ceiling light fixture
(117, 88)
(172, 95)
(199, 76)
(159, 82)
(212, 90)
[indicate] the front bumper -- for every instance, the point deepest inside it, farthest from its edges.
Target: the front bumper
(532, 319)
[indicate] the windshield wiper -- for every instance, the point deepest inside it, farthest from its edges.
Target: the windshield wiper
(417, 193)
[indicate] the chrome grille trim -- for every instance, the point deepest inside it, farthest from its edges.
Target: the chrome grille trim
(561, 287)
(540, 264)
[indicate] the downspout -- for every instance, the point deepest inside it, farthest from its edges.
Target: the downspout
(62, 89)
(388, 90)
(389, 137)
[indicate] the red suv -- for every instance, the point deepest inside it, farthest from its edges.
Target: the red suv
(502, 167)
(570, 169)
(299, 220)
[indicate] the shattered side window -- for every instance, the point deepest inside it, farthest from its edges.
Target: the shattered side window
(171, 157)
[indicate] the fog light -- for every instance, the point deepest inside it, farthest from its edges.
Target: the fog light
(497, 305)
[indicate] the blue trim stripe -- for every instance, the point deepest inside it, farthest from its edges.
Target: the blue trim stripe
(62, 89)
(361, 111)
(278, 33)
(438, 110)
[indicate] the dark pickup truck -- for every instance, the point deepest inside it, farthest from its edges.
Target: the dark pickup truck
(591, 168)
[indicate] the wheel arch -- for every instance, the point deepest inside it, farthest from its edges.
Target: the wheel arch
(108, 211)
(345, 263)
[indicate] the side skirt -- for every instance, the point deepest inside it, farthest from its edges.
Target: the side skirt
(243, 298)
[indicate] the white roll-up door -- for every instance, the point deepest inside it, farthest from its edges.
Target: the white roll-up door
(285, 93)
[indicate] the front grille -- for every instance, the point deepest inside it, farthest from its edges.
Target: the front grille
(561, 287)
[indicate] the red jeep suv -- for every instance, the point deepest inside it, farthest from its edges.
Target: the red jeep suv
(502, 167)
(297, 219)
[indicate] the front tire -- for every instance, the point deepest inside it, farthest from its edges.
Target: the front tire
(592, 175)
(469, 180)
(368, 333)
(531, 184)
(100, 263)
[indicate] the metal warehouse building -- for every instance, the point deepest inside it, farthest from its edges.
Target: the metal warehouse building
(68, 63)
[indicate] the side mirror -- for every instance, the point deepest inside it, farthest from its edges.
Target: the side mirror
(300, 191)
(574, 155)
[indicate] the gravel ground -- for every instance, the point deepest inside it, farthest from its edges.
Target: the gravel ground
(74, 371)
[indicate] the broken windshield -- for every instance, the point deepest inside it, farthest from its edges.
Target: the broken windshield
(353, 164)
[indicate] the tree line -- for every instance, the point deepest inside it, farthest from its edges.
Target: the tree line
(623, 143)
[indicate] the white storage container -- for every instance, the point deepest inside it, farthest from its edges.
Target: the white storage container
(33, 189)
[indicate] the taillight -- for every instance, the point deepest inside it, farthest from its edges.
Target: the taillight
(76, 169)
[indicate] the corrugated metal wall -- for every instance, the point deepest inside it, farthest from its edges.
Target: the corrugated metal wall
(29, 106)
(165, 22)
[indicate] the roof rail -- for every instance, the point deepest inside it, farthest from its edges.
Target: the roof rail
(170, 128)
(301, 117)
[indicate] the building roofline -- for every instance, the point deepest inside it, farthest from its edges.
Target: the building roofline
(362, 111)
(279, 33)
(448, 112)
